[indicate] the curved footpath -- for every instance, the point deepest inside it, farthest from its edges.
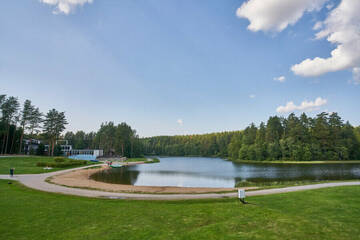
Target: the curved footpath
(37, 181)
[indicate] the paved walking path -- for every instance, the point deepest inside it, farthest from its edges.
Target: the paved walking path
(37, 181)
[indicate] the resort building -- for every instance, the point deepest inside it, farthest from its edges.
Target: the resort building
(31, 145)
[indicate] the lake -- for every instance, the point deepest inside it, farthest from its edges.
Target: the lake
(216, 172)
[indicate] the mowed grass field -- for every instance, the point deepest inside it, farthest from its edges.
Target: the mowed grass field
(27, 165)
(331, 213)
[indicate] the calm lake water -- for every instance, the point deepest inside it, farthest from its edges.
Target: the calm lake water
(216, 172)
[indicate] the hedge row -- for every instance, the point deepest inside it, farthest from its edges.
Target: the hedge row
(59, 159)
(61, 164)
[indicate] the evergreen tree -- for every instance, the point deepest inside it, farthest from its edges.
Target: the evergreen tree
(25, 120)
(54, 125)
(10, 108)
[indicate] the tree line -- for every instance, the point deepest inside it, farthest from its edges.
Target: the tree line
(119, 140)
(324, 137)
(26, 121)
(213, 144)
(16, 122)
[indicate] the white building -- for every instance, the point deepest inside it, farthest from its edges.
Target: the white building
(93, 152)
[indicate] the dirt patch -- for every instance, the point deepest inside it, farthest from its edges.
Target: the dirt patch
(80, 179)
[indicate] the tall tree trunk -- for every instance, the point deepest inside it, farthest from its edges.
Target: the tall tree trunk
(12, 141)
(21, 139)
(7, 139)
(122, 149)
(52, 147)
(3, 144)
(132, 148)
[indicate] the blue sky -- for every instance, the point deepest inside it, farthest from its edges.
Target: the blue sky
(171, 67)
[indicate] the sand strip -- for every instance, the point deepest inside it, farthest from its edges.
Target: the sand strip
(80, 179)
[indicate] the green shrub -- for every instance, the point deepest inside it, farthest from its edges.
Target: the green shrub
(59, 159)
(40, 150)
(41, 164)
(64, 164)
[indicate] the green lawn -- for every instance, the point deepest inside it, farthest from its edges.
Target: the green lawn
(27, 165)
(136, 160)
(331, 213)
(282, 184)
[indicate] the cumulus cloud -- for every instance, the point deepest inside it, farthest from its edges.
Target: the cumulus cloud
(276, 15)
(65, 6)
(180, 122)
(252, 96)
(307, 106)
(280, 79)
(341, 28)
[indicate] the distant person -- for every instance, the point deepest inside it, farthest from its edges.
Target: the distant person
(12, 172)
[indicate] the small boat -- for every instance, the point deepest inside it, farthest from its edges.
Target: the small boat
(116, 165)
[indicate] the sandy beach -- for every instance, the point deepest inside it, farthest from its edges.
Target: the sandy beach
(80, 179)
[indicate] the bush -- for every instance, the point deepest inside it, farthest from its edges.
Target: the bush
(40, 150)
(41, 164)
(59, 159)
(57, 150)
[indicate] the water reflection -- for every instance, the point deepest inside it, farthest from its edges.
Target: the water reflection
(215, 172)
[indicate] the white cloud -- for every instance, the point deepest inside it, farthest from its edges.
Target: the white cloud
(65, 6)
(252, 96)
(330, 6)
(318, 25)
(180, 122)
(280, 79)
(276, 15)
(304, 106)
(342, 28)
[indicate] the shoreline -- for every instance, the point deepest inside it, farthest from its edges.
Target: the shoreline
(273, 162)
(81, 179)
(296, 162)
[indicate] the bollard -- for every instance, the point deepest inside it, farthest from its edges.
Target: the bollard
(241, 195)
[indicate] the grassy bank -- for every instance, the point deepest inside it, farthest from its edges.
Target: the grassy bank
(27, 165)
(136, 159)
(144, 159)
(297, 162)
(153, 160)
(275, 161)
(318, 214)
(282, 184)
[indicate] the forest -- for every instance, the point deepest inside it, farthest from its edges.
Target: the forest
(324, 137)
(19, 122)
(298, 138)
(120, 140)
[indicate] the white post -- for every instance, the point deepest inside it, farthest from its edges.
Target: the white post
(241, 195)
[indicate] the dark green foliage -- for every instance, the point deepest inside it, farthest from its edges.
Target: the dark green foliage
(324, 137)
(118, 140)
(303, 138)
(40, 150)
(215, 144)
(57, 150)
(81, 140)
(64, 164)
(54, 125)
(59, 159)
